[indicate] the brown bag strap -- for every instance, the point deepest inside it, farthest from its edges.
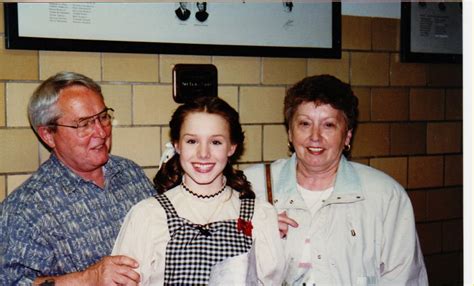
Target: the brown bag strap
(268, 174)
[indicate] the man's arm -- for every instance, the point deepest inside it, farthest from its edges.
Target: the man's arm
(110, 270)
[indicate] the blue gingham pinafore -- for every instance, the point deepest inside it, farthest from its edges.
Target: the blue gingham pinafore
(194, 249)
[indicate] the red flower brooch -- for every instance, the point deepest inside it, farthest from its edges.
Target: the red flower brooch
(245, 226)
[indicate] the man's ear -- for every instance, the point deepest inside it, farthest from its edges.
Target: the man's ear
(47, 136)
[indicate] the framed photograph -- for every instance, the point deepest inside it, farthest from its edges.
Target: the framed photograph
(431, 32)
(274, 29)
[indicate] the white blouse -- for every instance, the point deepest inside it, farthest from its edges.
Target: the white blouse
(144, 233)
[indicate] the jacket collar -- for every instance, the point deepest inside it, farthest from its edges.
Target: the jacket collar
(347, 188)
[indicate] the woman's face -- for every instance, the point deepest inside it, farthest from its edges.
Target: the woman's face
(204, 147)
(318, 134)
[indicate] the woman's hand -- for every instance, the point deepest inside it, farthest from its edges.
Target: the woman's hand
(283, 222)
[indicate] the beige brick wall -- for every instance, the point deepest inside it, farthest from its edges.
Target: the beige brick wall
(410, 113)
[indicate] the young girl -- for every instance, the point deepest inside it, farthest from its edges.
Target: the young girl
(204, 226)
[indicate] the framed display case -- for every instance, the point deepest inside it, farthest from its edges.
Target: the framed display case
(431, 32)
(274, 29)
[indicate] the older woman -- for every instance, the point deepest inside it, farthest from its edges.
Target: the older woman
(349, 224)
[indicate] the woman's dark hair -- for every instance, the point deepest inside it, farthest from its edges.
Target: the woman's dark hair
(170, 173)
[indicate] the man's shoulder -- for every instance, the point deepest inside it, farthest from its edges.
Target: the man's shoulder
(31, 190)
(119, 162)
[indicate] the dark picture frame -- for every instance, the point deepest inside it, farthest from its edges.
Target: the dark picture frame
(14, 40)
(431, 32)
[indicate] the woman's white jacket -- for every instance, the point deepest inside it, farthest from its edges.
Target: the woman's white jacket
(364, 234)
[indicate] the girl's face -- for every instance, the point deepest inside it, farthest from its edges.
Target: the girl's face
(204, 146)
(318, 134)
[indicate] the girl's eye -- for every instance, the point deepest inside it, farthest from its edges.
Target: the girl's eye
(191, 141)
(303, 123)
(216, 142)
(329, 124)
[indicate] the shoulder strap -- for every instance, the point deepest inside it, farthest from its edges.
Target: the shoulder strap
(268, 174)
(174, 221)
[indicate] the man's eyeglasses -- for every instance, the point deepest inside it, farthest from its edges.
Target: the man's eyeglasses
(85, 126)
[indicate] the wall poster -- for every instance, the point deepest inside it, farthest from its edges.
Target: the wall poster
(281, 29)
(431, 32)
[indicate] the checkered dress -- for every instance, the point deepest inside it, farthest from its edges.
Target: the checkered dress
(194, 249)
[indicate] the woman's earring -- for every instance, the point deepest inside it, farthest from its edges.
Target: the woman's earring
(347, 148)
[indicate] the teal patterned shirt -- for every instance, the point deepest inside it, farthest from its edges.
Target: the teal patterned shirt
(57, 223)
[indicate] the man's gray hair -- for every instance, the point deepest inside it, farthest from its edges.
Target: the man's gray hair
(42, 107)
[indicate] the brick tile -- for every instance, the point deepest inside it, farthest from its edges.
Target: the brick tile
(407, 74)
(453, 170)
(283, 70)
(445, 75)
(369, 69)
(230, 94)
(275, 142)
(167, 63)
(444, 269)
(140, 144)
(444, 137)
(19, 152)
(261, 104)
(2, 20)
(408, 138)
(3, 192)
(18, 95)
(119, 97)
(418, 201)
(165, 138)
(363, 94)
(336, 67)
(454, 104)
(395, 167)
(431, 237)
(2, 103)
(371, 139)
(52, 62)
(152, 104)
(130, 67)
(424, 172)
(17, 64)
(252, 144)
(14, 181)
(356, 33)
(389, 104)
(241, 70)
(426, 104)
(453, 235)
(444, 204)
(385, 34)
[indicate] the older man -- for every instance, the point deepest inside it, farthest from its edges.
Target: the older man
(59, 226)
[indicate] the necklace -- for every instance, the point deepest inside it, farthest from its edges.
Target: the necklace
(204, 196)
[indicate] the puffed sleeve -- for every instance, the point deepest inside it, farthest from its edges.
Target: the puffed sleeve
(270, 256)
(143, 236)
(401, 257)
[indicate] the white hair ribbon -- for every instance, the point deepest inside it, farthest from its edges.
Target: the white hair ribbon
(167, 154)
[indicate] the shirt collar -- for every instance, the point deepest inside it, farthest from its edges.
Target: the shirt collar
(71, 180)
(347, 187)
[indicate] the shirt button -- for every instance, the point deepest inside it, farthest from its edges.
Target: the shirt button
(319, 256)
(291, 202)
